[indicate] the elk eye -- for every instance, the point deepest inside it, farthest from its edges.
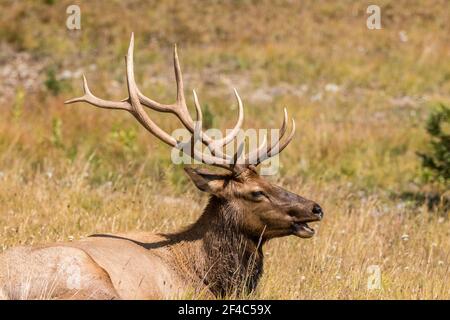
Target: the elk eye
(257, 194)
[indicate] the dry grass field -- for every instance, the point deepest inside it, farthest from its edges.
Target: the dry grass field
(360, 98)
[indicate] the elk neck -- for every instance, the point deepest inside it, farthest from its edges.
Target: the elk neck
(218, 252)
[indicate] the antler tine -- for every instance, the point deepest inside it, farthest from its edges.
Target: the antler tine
(144, 119)
(237, 168)
(134, 106)
(198, 109)
(286, 142)
(277, 147)
(179, 108)
(198, 128)
(282, 131)
(97, 102)
(216, 144)
(253, 156)
(137, 109)
(179, 80)
(233, 133)
(136, 100)
(258, 155)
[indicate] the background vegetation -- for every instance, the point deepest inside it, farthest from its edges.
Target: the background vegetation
(360, 98)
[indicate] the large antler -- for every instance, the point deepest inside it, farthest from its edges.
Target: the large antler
(136, 100)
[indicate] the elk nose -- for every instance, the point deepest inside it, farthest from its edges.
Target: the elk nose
(317, 210)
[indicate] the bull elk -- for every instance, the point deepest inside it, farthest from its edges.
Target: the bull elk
(218, 255)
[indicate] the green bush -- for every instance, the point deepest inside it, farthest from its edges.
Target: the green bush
(436, 161)
(208, 117)
(51, 83)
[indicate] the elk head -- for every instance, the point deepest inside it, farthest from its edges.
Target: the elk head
(266, 210)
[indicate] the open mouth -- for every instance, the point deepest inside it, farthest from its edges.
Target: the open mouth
(302, 230)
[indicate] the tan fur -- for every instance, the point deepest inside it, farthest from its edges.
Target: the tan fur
(219, 255)
(93, 268)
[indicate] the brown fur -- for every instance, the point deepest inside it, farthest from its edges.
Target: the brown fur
(219, 255)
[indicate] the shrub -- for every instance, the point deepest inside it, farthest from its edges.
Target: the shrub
(436, 161)
(51, 83)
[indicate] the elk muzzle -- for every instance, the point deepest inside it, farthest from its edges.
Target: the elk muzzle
(301, 212)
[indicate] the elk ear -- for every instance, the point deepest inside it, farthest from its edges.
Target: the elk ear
(206, 181)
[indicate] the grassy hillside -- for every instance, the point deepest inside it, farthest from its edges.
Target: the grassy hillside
(359, 97)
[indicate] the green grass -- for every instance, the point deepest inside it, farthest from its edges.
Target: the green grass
(75, 170)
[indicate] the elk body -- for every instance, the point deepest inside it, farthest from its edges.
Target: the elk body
(220, 254)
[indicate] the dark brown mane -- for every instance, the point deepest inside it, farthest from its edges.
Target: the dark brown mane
(233, 261)
(218, 255)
